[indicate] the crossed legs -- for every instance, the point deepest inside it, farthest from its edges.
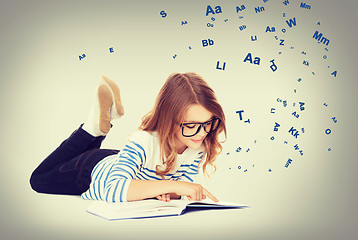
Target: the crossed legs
(67, 170)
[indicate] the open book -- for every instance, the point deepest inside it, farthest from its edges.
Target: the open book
(154, 208)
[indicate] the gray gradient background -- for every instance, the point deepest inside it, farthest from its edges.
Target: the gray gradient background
(46, 92)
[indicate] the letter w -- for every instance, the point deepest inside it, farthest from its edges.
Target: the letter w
(291, 22)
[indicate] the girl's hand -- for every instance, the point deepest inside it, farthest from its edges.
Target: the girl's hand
(193, 191)
(164, 197)
(167, 197)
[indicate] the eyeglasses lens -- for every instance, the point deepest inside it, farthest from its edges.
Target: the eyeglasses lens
(192, 129)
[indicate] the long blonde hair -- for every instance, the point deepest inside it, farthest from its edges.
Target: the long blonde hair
(179, 92)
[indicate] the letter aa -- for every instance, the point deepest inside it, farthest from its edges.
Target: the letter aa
(249, 58)
(209, 9)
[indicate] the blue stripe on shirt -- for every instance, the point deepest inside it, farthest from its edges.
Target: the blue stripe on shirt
(136, 151)
(140, 147)
(151, 177)
(114, 192)
(121, 194)
(117, 168)
(191, 180)
(129, 157)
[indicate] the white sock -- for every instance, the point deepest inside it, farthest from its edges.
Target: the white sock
(91, 125)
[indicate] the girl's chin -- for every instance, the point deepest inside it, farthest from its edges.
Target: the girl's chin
(195, 145)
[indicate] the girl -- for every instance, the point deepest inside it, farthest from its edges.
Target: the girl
(160, 160)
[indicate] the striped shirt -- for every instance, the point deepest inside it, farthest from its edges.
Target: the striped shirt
(138, 159)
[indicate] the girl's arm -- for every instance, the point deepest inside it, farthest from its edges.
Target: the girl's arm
(142, 189)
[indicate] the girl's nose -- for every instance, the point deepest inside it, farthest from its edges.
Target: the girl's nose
(202, 132)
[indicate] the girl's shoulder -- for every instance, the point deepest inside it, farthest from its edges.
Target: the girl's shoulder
(144, 138)
(141, 134)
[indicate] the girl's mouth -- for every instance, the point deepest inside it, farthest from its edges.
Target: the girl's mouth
(198, 141)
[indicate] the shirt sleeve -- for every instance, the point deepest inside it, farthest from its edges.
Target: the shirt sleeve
(131, 158)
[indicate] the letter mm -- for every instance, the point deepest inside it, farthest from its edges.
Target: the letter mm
(318, 36)
(306, 6)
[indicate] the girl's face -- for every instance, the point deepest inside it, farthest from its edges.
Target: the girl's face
(196, 113)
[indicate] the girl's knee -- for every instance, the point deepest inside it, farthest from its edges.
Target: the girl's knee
(34, 183)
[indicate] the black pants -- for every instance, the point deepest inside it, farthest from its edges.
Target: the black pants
(67, 170)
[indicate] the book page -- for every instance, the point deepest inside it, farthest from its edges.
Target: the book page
(135, 209)
(151, 208)
(210, 203)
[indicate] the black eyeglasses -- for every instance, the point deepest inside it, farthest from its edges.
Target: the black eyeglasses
(191, 129)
